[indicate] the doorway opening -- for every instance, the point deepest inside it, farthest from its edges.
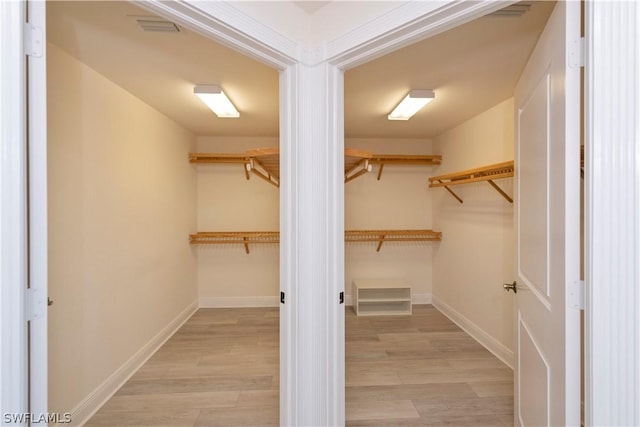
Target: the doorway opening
(149, 242)
(456, 349)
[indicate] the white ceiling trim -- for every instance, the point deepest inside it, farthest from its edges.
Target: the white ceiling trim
(407, 24)
(229, 26)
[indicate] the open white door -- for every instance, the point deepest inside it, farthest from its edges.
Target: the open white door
(547, 116)
(23, 214)
(37, 209)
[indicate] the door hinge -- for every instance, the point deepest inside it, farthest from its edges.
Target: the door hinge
(577, 295)
(36, 303)
(341, 297)
(281, 297)
(577, 53)
(33, 40)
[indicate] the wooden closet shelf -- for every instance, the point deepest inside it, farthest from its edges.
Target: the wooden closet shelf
(247, 238)
(485, 173)
(235, 237)
(265, 162)
(262, 162)
(402, 159)
(358, 162)
(382, 236)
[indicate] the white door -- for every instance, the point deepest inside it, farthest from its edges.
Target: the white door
(547, 116)
(37, 208)
(23, 214)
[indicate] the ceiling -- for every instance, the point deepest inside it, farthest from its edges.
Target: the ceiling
(471, 68)
(311, 7)
(162, 68)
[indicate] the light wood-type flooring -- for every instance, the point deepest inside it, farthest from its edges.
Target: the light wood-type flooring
(222, 369)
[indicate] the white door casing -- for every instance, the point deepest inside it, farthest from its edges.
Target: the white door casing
(547, 123)
(37, 220)
(312, 272)
(612, 213)
(23, 218)
(13, 226)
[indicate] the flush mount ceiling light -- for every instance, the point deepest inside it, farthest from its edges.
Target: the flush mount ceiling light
(215, 99)
(411, 104)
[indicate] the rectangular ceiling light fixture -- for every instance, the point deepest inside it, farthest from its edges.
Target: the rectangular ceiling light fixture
(215, 99)
(411, 104)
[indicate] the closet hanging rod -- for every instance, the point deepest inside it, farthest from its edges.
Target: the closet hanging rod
(356, 163)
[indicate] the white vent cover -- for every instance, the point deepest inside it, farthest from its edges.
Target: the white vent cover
(157, 25)
(513, 11)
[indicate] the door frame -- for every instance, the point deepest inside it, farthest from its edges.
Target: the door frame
(23, 213)
(612, 213)
(37, 211)
(13, 212)
(611, 187)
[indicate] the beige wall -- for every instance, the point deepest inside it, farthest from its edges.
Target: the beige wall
(122, 200)
(228, 202)
(400, 200)
(476, 255)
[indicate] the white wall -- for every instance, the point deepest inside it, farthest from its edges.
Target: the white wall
(121, 206)
(476, 255)
(228, 202)
(400, 200)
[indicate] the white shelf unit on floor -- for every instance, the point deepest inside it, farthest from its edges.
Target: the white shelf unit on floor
(376, 297)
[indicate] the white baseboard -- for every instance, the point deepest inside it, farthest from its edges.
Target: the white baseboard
(90, 405)
(415, 299)
(490, 343)
(239, 302)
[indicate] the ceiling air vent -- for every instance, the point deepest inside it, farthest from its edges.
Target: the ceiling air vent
(513, 11)
(156, 25)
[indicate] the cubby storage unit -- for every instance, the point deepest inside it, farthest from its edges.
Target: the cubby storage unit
(375, 297)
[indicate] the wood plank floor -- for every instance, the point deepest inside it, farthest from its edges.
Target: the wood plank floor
(222, 369)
